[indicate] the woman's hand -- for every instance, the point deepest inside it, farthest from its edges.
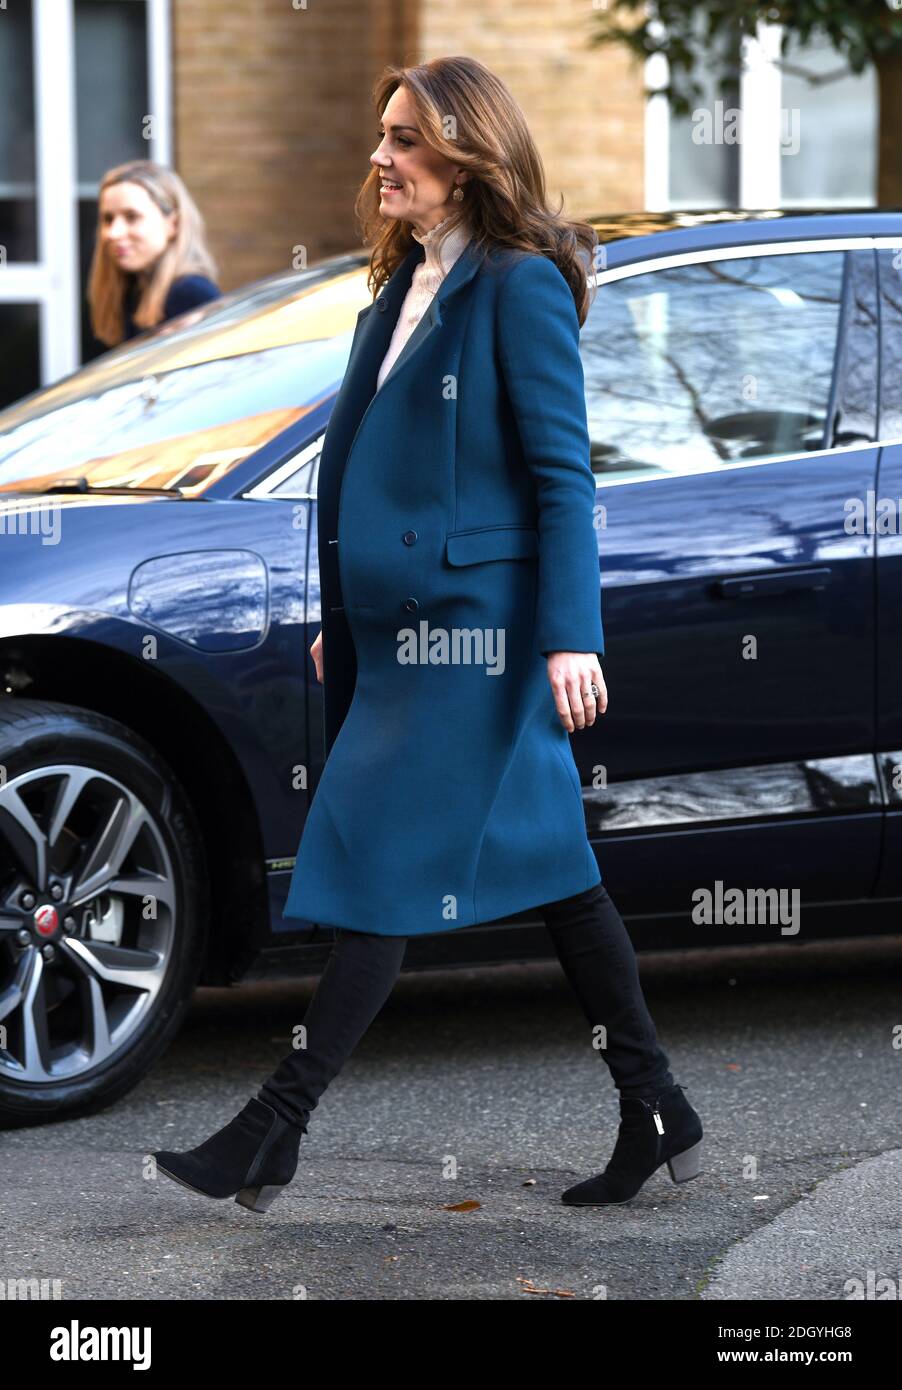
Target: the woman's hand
(316, 651)
(570, 673)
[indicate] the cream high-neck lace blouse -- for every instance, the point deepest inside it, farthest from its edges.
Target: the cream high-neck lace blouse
(444, 243)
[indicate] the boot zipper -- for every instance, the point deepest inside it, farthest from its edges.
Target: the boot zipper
(659, 1124)
(656, 1114)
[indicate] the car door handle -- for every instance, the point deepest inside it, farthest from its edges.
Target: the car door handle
(770, 585)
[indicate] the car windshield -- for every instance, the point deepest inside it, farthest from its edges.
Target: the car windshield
(177, 408)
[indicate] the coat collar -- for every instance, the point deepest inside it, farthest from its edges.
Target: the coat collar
(396, 287)
(377, 321)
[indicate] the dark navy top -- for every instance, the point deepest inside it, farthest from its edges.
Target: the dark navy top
(185, 292)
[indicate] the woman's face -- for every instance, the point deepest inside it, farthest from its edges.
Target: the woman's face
(426, 177)
(135, 232)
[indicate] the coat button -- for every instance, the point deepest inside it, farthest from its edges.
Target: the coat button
(381, 305)
(409, 537)
(410, 605)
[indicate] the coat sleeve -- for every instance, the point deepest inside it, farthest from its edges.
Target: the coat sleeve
(538, 342)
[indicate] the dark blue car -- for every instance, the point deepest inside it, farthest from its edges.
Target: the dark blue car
(161, 727)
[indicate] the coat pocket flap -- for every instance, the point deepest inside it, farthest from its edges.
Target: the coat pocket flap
(491, 543)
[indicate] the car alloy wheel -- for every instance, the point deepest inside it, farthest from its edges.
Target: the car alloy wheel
(88, 917)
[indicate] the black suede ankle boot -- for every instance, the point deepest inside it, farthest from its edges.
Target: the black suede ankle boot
(656, 1130)
(255, 1156)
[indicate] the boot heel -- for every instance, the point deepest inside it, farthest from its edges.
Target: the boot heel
(687, 1164)
(258, 1198)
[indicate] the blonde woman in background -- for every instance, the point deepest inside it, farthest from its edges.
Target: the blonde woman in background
(151, 260)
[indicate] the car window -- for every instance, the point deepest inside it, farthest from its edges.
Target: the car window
(184, 406)
(293, 477)
(691, 367)
(890, 263)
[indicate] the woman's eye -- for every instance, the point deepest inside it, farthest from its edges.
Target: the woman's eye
(402, 139)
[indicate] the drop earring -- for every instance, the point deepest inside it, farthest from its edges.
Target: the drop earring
(458, 194)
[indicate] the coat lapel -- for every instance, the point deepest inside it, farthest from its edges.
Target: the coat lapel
(460, 274)
(375, 326)
(378, 320)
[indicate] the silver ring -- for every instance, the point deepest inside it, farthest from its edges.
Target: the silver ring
(595, 692)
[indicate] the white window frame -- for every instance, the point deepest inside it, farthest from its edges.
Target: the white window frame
(266, 489)
(760, 101)
(52, 281)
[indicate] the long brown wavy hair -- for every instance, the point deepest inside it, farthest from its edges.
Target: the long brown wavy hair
(504, 197)
(186, 254)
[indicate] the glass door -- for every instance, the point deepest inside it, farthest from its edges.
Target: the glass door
(84, 85)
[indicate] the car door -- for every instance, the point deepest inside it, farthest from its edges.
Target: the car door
(286, 532)
(731, 399)
(888, 540)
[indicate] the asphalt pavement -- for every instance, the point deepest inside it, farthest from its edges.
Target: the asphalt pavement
(479, 1089)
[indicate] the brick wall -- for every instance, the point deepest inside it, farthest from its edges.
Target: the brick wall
(585, 107)
(274, 122)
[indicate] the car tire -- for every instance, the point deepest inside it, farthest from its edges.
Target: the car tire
(102, 861)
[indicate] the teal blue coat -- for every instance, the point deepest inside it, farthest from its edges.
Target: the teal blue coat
(457, 548)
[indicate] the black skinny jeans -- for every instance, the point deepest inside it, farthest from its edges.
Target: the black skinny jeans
(597, 957)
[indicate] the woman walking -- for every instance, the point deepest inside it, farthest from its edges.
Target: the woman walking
(151, 260)
(461, 626)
